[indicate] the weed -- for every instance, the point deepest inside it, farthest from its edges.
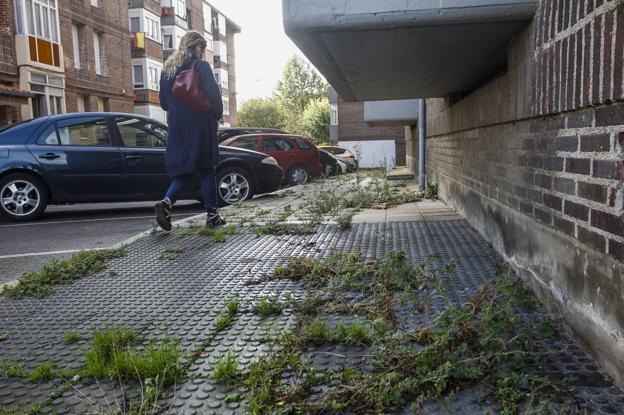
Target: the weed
(3, 336)
(171, 253)
(226, 369)
(223, 321)
(262, 212)
(273, 228)
(40, 284)
(12, 369)
(355, 333)
(113, 274)
(42, 371)
(71, 337)
(232, 397)
(344, 219)
(267, 306)
(317, 332)
(285, 213)
(431, 192)
(232, 305)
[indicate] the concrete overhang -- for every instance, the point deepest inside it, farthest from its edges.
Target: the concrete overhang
(391, 113)
(395, 49)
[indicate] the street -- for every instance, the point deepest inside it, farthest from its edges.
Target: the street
(66, 229)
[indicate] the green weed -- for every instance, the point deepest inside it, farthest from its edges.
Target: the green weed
(40, 284)
(226, 369)
(171, 253)
(266, 306)
(71, 337)
(12, 369)
(3, 336)
(223, 321)
(42, 371)
(232, 305)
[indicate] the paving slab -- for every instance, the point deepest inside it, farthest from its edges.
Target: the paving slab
(180, 295)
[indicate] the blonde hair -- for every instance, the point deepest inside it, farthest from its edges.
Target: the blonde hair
(189, 42)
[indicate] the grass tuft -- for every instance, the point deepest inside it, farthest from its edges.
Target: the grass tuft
(43, 371)
(223, 321)
(267, 306)
(226, 369)
(39, 284)
(71, 337)
(12, 369)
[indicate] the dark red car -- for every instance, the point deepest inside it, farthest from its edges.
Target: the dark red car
(296, 155)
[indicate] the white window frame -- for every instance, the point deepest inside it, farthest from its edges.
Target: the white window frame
(135, 84)
(226, 105)
(221, 76)
(48, 18)
(222, 25)
(97, 44)
(176, 34)
(333, 114)
(221, 50)
(76, 45)
(151, 80)
(149, 23)
(50, 89)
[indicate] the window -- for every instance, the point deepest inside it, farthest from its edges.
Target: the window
(137, 76)
(41, 18)
(48, 137)
(49, 93)
(226, 105)
(82, 103)
(276, 144)
(154, 78)
(250, 143)
(152, 28)
(167, 41)
(76, 44)
(208, 37)
(136, 132)
(98, 48)
(333, 114)
(100, 104)
(135, 24)
(84, 131)
(56, 104)
(301, 143)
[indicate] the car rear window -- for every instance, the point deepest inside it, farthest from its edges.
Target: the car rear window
(276, 144)
(249, 143)
(302, 143)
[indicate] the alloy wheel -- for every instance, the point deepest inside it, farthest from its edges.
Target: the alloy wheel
(20, 197)
(298, 175)
(234, 188)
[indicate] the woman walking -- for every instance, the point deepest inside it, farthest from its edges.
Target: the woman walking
(192, 146)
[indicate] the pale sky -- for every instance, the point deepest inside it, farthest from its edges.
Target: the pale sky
(262, 47)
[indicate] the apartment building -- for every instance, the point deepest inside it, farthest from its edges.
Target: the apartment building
(60, 56)
(156, 30)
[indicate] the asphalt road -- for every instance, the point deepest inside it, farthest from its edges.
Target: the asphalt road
(66, 229)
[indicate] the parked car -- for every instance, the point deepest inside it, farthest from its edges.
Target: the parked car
(227, 132)
(343, 154)
(297, 155)
(331, 165)
(108, 157)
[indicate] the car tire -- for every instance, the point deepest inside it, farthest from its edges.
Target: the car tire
(23, 197)
(328, 170)
(234, 186)
(298, 174)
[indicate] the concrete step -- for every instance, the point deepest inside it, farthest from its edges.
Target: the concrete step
(400, 173)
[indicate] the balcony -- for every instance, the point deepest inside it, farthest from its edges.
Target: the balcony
(391, 113)
(379, 50)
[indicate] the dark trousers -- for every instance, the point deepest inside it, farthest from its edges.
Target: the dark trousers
(184, 182)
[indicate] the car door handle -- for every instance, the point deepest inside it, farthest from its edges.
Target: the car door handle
(49, 156)
(134, 157)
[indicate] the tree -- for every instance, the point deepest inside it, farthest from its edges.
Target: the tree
(261, 112)
(300, 84)
(315, 120)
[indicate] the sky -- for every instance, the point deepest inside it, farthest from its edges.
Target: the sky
(262, 48)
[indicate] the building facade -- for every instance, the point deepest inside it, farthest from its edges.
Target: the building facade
(524, 130)
(59, 56)
(156, 29)
(377, 145)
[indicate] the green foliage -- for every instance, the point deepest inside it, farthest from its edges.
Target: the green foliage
(42, 371)
(12, 369)
(223, 321)
(315, 120)
(171, 253)
(226, 369)
(107, 344)
(262, 113)
(232, 305)
(3, 336)
(40, 284)
(71, 337)
(267, 306)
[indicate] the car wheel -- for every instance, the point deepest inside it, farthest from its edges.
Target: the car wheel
(298, 175)
(328, 170)
(233, 186)
(23, 197)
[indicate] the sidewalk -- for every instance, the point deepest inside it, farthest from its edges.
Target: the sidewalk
(177, 285)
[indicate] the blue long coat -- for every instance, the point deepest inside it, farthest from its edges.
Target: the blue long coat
(192, 144)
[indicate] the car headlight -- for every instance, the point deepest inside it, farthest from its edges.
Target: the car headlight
(269, 160)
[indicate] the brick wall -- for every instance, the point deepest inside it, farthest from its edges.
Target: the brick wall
(115, 84)
(351, 127)
(534, 160)
(8, 59)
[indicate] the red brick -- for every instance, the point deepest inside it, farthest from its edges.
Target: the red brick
(526, 208)
(553, 202)
(571, 70)
(543, 181)
(618, 92)
(592, 239)
(578, 100)
(553, 163)
(576, 210)
(587, 65)
(610, 115)
(596, 142)
(580, 119)
(591, 191)
(578, 166)
(596, 60)
(567, 143)
(543, 216)
(564, 185)
(616, 250)
(607, 222)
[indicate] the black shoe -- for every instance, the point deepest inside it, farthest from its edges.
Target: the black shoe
(213, 219)
(163, 214)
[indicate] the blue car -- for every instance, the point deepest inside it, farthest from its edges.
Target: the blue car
(107, 157)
